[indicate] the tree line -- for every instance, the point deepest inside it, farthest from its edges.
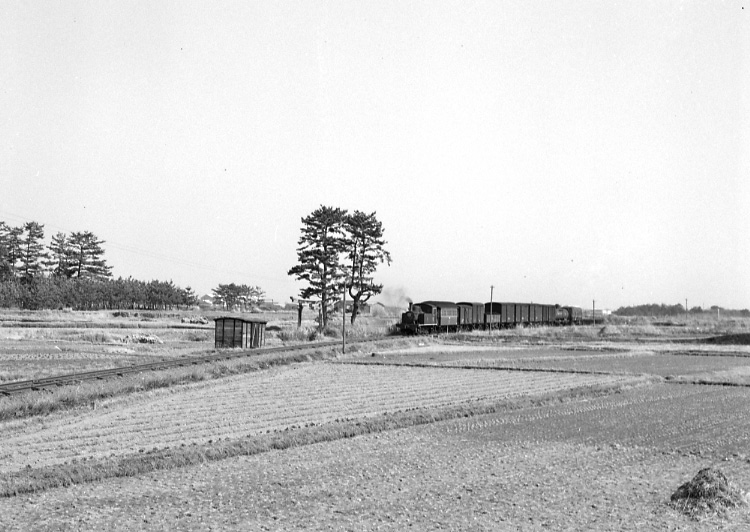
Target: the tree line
(339, 251)
(676, 310)
(94, 294)
(242, 296)
(71, 272)
(24, 256)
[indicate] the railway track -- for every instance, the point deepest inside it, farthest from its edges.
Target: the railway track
(48, 383)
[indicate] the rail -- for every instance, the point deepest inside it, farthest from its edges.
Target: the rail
(46, 383)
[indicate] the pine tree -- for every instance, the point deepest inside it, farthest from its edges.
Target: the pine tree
(321, 246)
(84, 259)
(13, 249)
(32, 251)
(232, 295)
(366, 248)
(5, 269)
(57, 255)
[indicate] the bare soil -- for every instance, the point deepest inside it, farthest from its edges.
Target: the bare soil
(454, 475)
(273, 400)
(604, 463)
(634, 362)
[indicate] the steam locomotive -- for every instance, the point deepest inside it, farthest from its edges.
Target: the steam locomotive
(445, 316)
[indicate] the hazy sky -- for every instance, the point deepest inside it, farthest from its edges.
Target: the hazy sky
(560, 151)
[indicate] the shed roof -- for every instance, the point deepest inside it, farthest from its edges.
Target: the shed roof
(246, 320)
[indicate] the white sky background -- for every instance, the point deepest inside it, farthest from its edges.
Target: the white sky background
(560, 151)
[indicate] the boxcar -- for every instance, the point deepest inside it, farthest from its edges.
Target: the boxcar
(470, 315)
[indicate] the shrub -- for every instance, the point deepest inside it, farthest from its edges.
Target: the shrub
(295, 334)
(98, 337)
(332, 332)
(197, 336)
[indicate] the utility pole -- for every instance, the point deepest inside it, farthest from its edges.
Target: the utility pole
(343, 323)
(492, 289)
(593, 311)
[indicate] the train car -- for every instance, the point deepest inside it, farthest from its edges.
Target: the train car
(500, 315)
(446, 312)
(549, 314)
(444, 316)
(562, 316)
(470, 315)
(430, 316)
(576, 315)
(542, 314)
(569, 316)
(522, 313)
(493, 315)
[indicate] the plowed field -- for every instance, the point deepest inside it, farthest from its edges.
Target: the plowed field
(633, 362)
(551, 469)
(255, 403)
(709, 420)
(591, 462)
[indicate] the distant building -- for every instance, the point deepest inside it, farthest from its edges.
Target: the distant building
(206, 301)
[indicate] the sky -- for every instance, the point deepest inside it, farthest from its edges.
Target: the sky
(559, 152)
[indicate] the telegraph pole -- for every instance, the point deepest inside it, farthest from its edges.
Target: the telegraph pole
(343, 323)
(492, 289)
(593, 311)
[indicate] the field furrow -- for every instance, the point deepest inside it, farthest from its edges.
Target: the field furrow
(272, 400)
(669, 417)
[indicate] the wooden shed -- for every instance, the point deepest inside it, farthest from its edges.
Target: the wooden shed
(239, 332)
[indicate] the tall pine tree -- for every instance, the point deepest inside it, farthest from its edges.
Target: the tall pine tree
(84, 259)
(319, 253)
(366, 248)
(5, 270)
(57, 255)
(32, 251)
(13, 248)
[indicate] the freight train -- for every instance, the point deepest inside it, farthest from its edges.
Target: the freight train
(445, 316)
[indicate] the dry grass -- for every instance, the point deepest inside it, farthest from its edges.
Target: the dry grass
(731, 377)
(621, 329)
(709, 493)
(364, 327)
(40, 403)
